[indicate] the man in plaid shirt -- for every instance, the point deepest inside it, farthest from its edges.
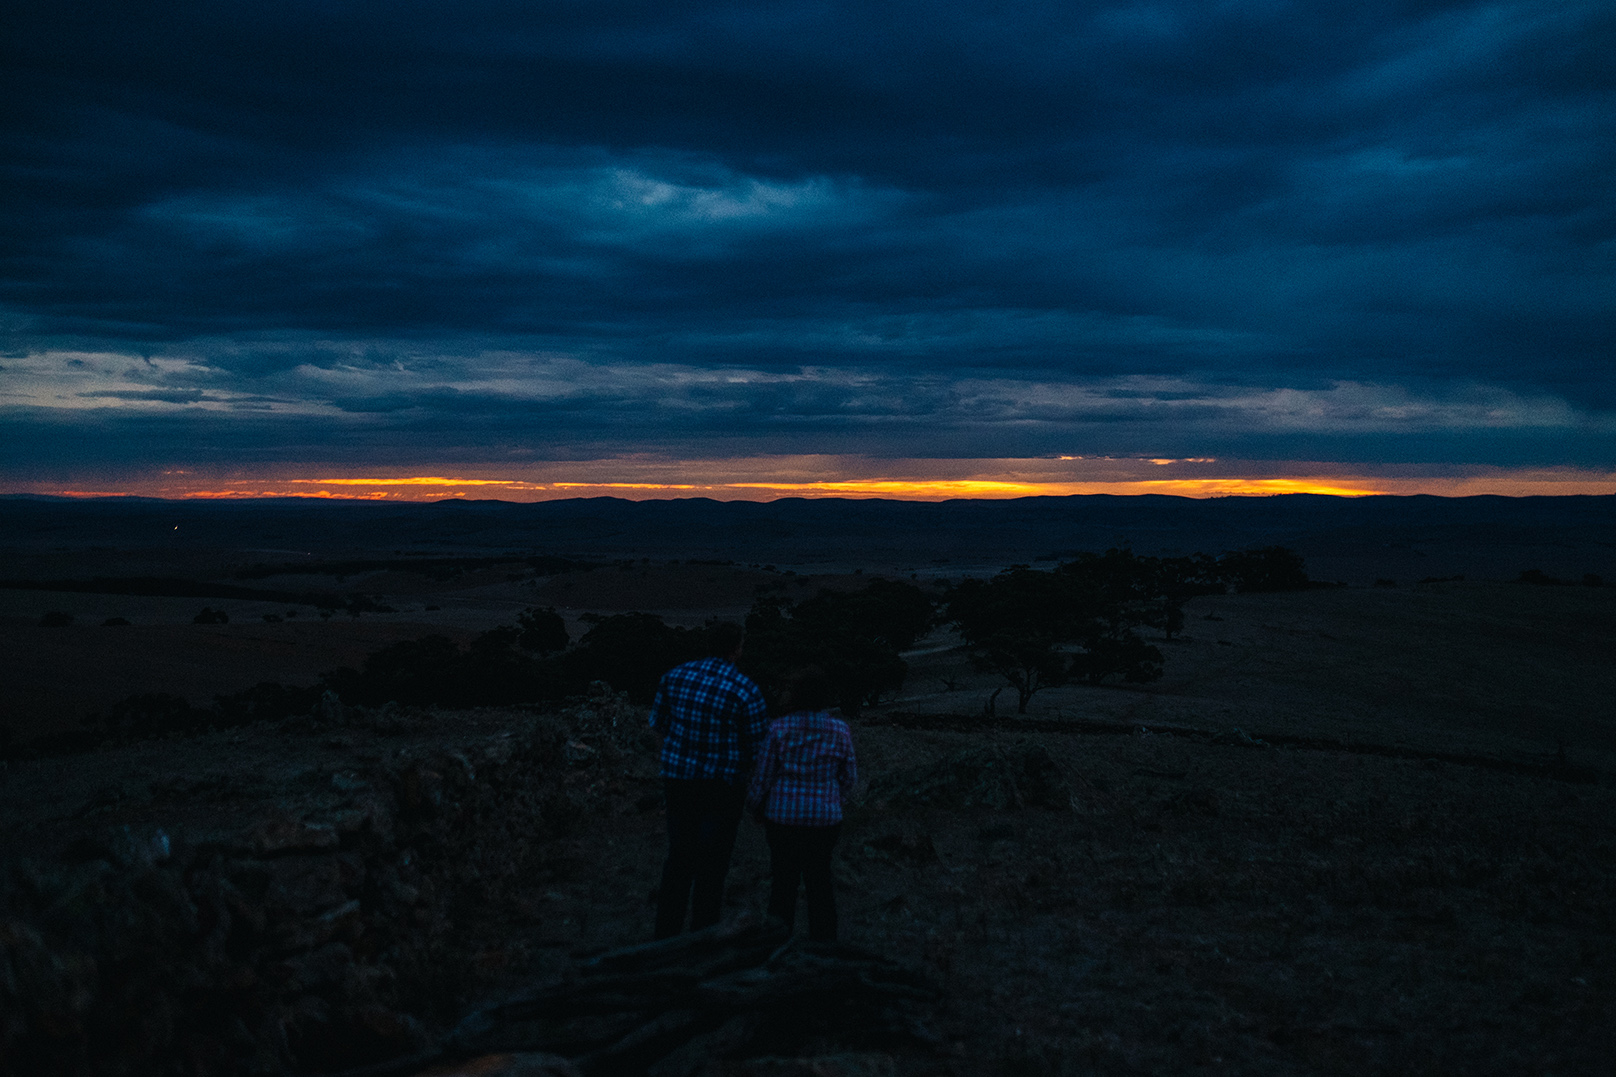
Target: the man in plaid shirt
(805, 774)
(711, 717)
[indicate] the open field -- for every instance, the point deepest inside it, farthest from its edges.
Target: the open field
(1364, 829)
(50, 678)
(1496, 666)
(1414, 880)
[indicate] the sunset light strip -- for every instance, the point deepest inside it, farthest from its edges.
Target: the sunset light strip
(421, 480)
(816, 477)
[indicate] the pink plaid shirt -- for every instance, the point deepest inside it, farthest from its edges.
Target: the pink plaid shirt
(805, 771)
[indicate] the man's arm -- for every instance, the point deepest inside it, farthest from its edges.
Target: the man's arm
(752, 726)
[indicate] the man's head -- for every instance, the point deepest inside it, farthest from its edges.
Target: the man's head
(724, 639)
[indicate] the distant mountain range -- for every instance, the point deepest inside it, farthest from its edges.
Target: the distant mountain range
(1355, 539)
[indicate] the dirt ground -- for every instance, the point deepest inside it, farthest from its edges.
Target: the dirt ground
(1203, 903)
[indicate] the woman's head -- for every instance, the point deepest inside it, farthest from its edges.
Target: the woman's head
(808, 688)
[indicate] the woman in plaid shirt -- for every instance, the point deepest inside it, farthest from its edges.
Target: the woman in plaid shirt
(805, 773)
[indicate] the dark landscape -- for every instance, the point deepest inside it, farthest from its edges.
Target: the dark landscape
(1358, 823)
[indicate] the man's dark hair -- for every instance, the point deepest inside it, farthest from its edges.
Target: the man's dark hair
(723, 639)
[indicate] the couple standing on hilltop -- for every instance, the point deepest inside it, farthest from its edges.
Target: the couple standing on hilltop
(720, 754)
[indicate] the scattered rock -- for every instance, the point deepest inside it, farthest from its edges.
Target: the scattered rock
(274, 837)
(918, 848)
(843, 1065)
(320, 937)
(578, 754)
(521, 1064)
(721, 1000)
(1239, 738)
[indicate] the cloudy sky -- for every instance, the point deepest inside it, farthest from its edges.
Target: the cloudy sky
(534, 249)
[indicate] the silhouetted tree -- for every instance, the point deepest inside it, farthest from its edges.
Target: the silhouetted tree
(1177, 580)
(631, 651)
(1040, 629)
(855, 637)
(1016, 625)
(418, 672)
(1269, 568)
(887, 611)
(542, 631)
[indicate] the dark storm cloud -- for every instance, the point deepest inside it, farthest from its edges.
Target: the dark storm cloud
(378, 225)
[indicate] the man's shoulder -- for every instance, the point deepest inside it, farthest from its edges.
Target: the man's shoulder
(710, 671)
(696, 667)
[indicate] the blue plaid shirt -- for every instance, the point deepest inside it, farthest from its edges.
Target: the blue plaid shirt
(712, 718)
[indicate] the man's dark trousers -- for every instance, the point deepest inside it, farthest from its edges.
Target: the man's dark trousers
(703, 814)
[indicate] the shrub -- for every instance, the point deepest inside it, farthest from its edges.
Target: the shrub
(542, 631)
(1268, 569)
(853, 637)
(631, 652)
(149, 714)
(264, 701)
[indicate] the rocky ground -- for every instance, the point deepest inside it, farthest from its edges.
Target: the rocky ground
(1303, 855)
(1100, 903)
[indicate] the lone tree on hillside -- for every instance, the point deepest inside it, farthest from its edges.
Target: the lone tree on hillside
(1016, 625)
(1038, 629)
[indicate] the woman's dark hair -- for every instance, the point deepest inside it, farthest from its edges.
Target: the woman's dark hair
(809, 688)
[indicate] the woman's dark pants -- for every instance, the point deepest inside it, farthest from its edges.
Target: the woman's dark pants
(702, 816)
(801, 855)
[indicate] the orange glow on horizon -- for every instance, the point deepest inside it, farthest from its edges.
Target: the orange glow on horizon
(930, 489)
(421, 480)
(628, 486)
(1218, 487)
(766, 479)
(902, 488)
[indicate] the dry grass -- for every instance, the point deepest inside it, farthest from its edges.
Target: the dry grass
(1202, 907)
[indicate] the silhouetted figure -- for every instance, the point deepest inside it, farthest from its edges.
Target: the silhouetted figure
(805, 774)
(711, 717)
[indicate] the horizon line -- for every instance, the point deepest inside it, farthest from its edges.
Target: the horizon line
(83, 497)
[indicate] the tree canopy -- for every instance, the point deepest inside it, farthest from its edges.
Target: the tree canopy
(856, 637)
